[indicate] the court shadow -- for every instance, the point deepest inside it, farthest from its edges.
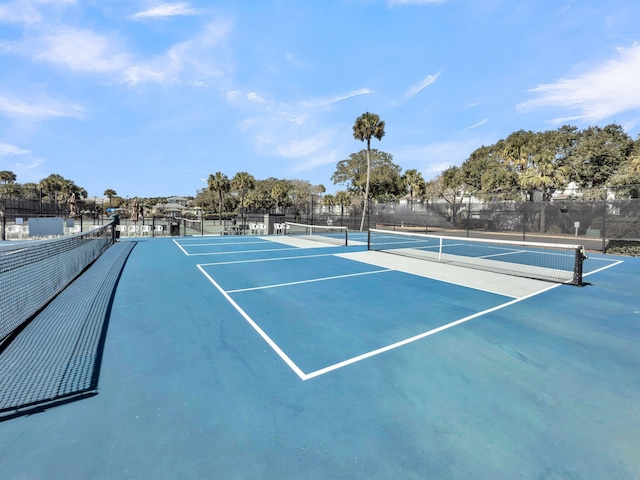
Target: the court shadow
(55, 357)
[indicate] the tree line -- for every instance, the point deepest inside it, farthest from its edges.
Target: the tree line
(525, 166)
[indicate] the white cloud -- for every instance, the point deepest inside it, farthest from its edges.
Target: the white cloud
(166, 10)
(189, 62)
(303, 147)
(26, 11)
(6, 149)
(60, 47)
(254, 97)
(476, 125)
(421, 85)
(317, 159)
(323, 102)
(606, 90)
(40, 109)
(19, 12)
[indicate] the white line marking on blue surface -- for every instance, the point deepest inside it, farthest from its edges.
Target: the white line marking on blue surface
(255, 326)
(233, 262)
(420, 336)
(180, 247)
(603, 268)
(239, 251)
(310, 281)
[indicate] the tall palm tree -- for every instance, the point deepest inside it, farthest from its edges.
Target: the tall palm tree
(243, 182)
(220, 184)
(367, 125)
(110, 192)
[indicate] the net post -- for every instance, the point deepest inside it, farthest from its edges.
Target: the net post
(440, 250)
(346, 238)
(577, 270)
(369, 239)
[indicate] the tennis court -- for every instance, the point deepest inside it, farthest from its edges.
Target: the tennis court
(282, 357)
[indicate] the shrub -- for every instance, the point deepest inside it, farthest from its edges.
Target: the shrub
(624, 247)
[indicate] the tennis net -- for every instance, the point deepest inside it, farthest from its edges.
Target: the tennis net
(32, 273)
(323, 233)
(543, 261)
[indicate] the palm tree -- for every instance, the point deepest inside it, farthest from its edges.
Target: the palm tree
(344, 200)
(219, 183)
(243, 182)
(53, 185)
(367, 125)
(110, 192)
(6, 178)
(413, 180)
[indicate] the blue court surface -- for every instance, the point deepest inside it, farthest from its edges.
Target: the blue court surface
(275, 358)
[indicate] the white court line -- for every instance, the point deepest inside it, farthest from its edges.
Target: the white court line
(197, 244)
(233, 262)
(262, 250)
(299, 282)
(420, 336)
(255, 326)
(503, 253)
(618, 262)
(180, 247)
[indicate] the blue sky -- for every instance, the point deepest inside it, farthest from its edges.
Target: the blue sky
(149, 98)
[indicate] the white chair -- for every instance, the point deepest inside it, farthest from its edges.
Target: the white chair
(24, 231)
(262, 228)
(253, 228)
(132, 230)
(122, 229)
(160, 229)
(277, 228)
(13, 231)
(145, 230)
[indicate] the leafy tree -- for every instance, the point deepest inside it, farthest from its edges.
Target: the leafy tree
(281, 193)
(243, 182)
(7, 180)
(452, 187)
(344, 200)
(301, 191)
(626, 180)
(414, 182)
(599, 153)
(260, 197)
(329, 201)
(52, 186)
(367, 126)
(7, 176)
(384, 176)
(110, 192)
(219, 184)
(488, 176)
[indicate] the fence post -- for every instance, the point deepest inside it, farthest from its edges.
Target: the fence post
(604, 221)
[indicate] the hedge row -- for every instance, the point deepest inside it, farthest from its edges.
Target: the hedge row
(624, 247)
